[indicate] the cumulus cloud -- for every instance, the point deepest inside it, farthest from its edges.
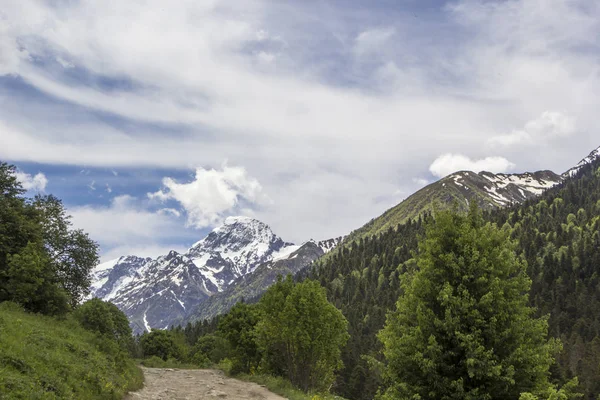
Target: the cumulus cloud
(449, 163)
(548, 126)
(37, 182)
(212, 194)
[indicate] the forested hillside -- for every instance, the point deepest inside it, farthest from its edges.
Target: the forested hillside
(556, 233)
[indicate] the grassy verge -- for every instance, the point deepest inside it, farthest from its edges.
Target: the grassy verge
(283, 387)
(276, 384)
(157, 362)
(47, 358)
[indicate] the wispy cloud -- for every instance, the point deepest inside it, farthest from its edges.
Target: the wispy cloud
(319, 103)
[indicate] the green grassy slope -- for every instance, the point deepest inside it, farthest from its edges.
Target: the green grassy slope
(441, 194)
(47, 358)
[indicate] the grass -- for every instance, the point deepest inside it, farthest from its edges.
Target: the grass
(283, 387)
(157, 362)
(48, 358)
(276, 384)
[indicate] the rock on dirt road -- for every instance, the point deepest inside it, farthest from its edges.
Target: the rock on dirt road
(195, 384)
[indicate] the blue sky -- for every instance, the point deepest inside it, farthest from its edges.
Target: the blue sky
(154, 123)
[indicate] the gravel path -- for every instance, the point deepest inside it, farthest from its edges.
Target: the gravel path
(193, 384)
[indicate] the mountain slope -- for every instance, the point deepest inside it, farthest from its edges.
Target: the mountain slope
(252, 285)
(157, 293)
(557, 233)
(488, 190)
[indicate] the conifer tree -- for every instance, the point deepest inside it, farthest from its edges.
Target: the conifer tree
(463, 328)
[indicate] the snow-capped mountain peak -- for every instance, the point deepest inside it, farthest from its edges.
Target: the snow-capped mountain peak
(589, 159)
(155, 292)
(242, 241)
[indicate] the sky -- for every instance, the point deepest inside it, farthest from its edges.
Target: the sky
(155, 120)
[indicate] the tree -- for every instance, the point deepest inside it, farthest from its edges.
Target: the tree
(306, 330)
(463, 328)
(44, 264)
(72, 253)
(18, 223)
(31, 283)
(238, 327)
(161, 344)
(104, 318)
(214, 347)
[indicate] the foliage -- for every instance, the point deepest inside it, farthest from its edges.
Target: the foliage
(363, 281)
(557, 234)
(284, 388)
(32, 284)
(157, 362)
(104, 318)
(162, 344)
(46, 358)
(569, 391)
(238, 327)
(72, 253)
(463, 328)
(44, 264)
(301, 333)
(215, 348)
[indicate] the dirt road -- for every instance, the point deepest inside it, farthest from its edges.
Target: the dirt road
(195, 384)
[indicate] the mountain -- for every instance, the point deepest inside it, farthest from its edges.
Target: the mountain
(251, 286)
(557, 233)
(593, 156)
(487, 189)
(157, 292)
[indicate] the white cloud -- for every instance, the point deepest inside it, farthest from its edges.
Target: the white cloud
(549, 126)
(310, 126)
(29, 182)
(126, 226)
(212, 194)
(10, 54)
(170, 211)
(449, 163)
(65, 64)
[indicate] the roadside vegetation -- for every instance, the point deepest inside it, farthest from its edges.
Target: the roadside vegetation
(51, 345)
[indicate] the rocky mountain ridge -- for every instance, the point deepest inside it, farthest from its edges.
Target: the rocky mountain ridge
(489, 190)
(155, 293)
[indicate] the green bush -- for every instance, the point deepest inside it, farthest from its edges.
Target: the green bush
(214, 347)
(104, 318)
(161, 344)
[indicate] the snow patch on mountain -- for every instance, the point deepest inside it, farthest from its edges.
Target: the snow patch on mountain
(155, 292)
(588, 160)
(503, 189)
